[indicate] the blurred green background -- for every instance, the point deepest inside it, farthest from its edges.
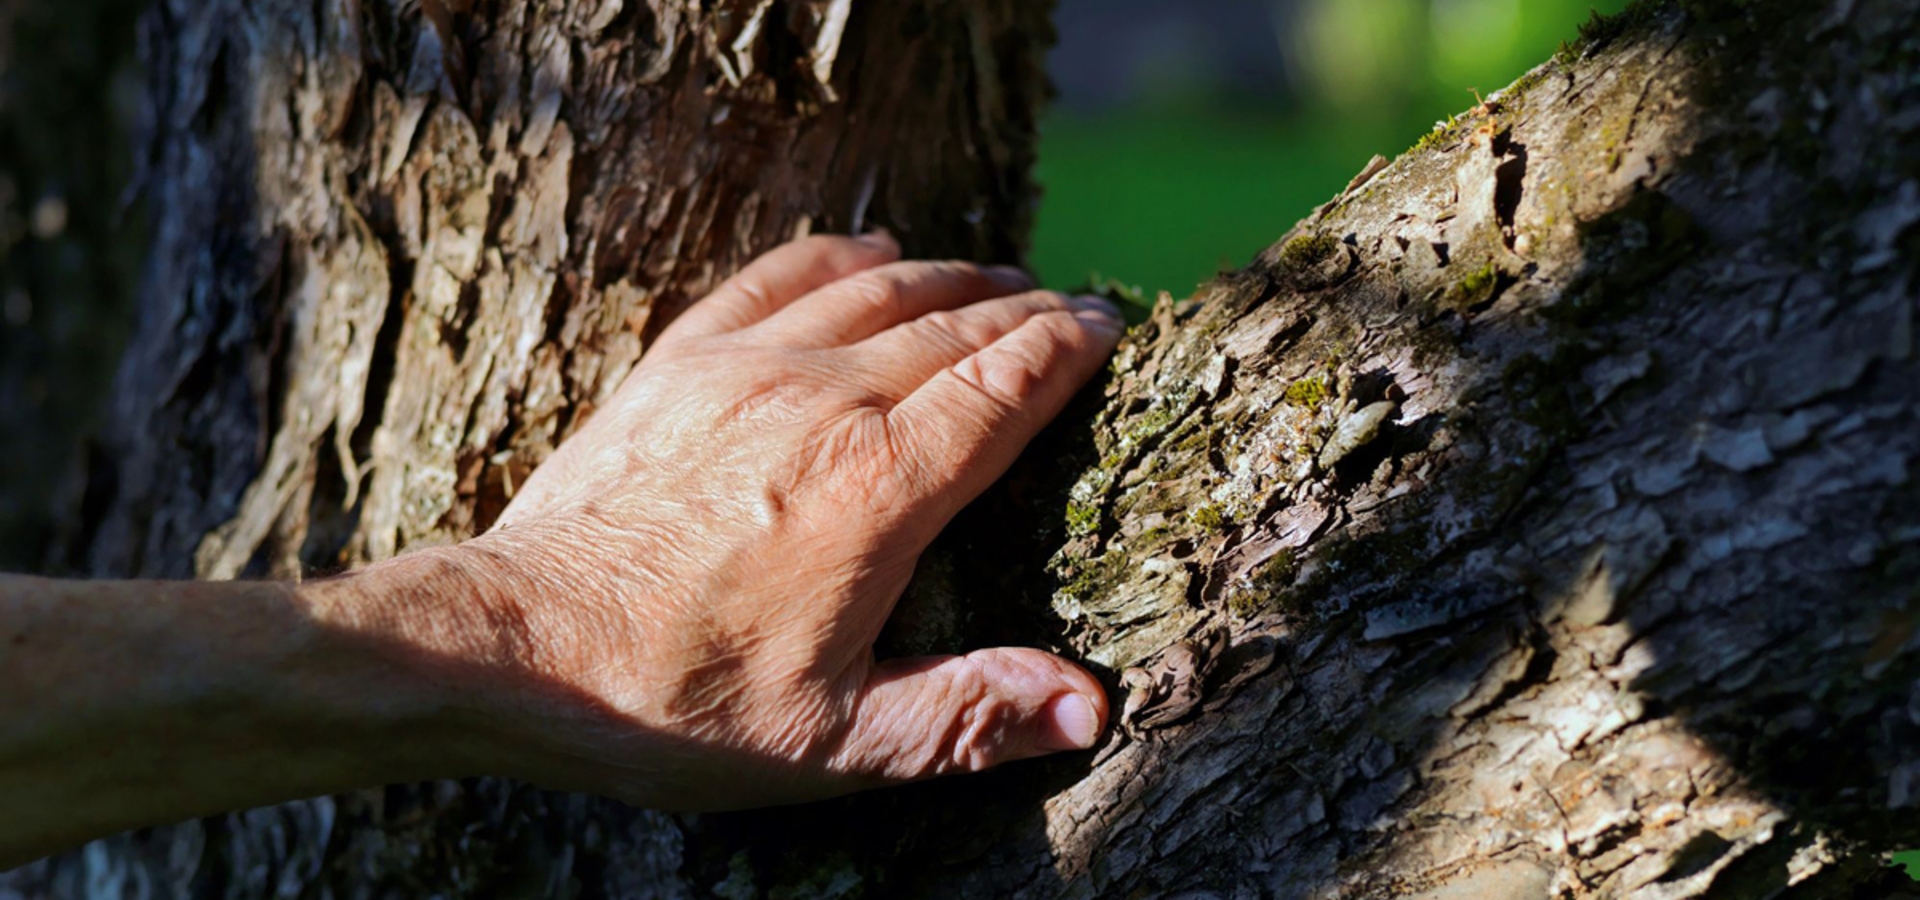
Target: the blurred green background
(1190, 134)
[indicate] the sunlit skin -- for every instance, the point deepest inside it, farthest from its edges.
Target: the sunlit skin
(678, 609)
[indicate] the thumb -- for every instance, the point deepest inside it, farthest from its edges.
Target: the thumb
(918, 718)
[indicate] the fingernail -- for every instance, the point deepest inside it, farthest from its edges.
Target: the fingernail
(1095, 303)
(1102, 323)
(1010, 276)
(1075, 725)
(880, 239)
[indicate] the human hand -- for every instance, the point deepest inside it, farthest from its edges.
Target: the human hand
(694, 581)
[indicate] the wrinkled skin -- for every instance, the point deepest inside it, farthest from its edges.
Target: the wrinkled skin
(678, 609)
(695, 580)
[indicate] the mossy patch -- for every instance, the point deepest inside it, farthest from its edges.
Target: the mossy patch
(1130, 298)
(1515, 93)
(1092, 578)
(1377, 557)
(1308, 250)
(1279, 571)
(1154, 535)
(1157, 419)
(1196, 440)
(1271, 587)
(1209, 517)
(1308, 393)
(836, 878)
(1082, 519)
(1472, 291)
(1601, 30)
(1717, 10)
(1446, 131)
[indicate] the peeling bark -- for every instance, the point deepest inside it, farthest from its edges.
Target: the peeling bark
(1535, 520)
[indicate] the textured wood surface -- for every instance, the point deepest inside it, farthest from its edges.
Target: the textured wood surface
(1536, 519)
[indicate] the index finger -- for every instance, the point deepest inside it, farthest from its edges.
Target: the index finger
(780, 276)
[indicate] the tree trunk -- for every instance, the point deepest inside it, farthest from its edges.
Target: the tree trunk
(1534, 520)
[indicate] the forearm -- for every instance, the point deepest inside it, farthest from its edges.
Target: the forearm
(137, 703)
(678, 609)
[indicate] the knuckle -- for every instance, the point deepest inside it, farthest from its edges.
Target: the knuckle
(1003, 377)
(943, 322)
(979, 739)
(1059, 328)
(753, 286)
(1060, 336)
(822, 242)
(1052, 301)
(946, 331)
(881, 290)
(958, 269)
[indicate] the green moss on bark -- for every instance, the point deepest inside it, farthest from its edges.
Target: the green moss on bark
(1308, 250)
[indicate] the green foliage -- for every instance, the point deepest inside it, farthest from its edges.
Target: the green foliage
(1167, 195)
(1911, 860)
(1167, 198)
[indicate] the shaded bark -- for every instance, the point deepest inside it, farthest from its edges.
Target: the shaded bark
(1536, 519)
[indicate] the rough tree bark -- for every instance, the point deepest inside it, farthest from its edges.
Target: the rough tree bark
(1535, 520)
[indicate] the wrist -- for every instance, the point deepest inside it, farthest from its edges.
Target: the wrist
(417, 651)
(469, 643)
